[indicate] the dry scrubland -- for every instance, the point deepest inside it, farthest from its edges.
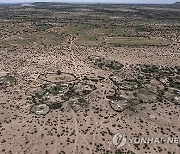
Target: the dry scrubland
(72, 76)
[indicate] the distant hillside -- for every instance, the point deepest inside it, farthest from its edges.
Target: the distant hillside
(176, 3)
(48, 3)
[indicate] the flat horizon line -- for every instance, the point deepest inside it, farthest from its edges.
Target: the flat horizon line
(88, 3)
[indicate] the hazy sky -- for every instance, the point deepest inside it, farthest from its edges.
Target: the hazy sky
(94, 1)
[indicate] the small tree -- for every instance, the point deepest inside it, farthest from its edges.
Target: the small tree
(58, 72)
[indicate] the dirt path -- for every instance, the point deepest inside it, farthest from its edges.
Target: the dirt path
(76, 130)
(56, 141)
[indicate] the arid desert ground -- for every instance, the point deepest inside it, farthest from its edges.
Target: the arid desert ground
(74, 75)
